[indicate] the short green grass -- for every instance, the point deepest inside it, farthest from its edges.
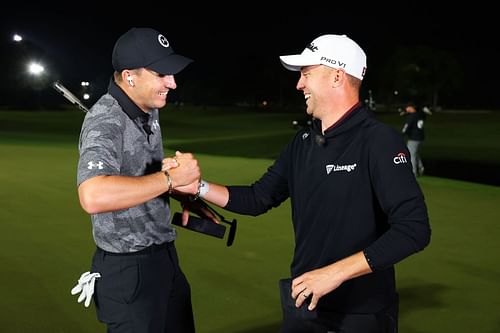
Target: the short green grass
(458, 135)
(46, 241)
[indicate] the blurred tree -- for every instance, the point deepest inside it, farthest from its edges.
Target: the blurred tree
(421, 73)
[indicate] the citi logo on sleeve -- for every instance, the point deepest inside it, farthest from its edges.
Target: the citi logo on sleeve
(400, 158)
(91, 165)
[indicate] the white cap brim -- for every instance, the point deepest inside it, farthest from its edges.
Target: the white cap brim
(296, 61)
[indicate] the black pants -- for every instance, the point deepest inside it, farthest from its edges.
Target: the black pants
(302, 320)
(143, 292)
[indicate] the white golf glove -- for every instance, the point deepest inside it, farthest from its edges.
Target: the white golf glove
(85, 285)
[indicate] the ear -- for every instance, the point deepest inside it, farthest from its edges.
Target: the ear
(127, 76)
(130, 81)
(338, 77)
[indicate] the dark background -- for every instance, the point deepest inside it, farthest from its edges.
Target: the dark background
(446, 58)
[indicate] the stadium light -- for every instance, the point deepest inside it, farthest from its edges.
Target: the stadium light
(17, 38)
(35, 69)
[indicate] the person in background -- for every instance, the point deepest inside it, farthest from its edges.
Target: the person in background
(357, 209)
(413, 129)
(139, 285)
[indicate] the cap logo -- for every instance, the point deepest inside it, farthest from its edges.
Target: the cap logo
(163, 41)
(333, 62)
(312, 47)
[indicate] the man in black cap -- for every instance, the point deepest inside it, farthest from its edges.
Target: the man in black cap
(413, 129)
(139, 286)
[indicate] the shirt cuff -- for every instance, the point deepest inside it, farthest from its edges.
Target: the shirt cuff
(368, 260)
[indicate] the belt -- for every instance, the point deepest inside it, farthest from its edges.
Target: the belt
(152, 249)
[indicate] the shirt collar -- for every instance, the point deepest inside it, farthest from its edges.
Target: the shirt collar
(345, 115)
(348, 120)
(128, 106)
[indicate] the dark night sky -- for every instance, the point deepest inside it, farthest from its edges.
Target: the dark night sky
(238, 49)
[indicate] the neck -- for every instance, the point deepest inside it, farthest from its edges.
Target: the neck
(336, 114)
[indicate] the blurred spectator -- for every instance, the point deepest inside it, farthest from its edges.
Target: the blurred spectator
(413, 130)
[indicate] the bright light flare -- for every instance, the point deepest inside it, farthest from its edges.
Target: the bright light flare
(35, 68)
(86, 96)
(17, 38)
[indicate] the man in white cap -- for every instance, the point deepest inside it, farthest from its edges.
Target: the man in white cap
(139, 285)
(357, 209)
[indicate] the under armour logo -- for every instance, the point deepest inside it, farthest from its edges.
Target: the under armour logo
(156, 124)
(312, 47)
(91, 165)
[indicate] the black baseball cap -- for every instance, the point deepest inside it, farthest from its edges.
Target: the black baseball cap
(146, 47)
(412, 104)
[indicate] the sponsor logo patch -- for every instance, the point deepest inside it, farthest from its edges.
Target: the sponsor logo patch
(400, 158)
(92, 165)
(156, 124)
(336, 167)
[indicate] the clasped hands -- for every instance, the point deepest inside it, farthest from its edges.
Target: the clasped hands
(186, 176)
(184, 171)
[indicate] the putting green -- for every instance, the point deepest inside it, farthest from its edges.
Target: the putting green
(46, 244)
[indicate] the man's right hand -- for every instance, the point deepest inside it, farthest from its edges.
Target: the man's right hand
(184, 171)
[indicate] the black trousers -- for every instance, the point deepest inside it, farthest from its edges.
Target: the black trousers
(301, 320)
(143, 292)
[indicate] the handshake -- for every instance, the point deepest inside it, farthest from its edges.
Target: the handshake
(184, 180)
(185, 184)
(183, 174)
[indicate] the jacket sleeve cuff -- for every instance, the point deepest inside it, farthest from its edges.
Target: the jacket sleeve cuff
(369, 260)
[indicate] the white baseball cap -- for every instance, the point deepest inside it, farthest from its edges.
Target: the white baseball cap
(337, 51)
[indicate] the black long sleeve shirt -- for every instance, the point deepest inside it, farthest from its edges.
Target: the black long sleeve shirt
(414, 126)
(353, 190)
